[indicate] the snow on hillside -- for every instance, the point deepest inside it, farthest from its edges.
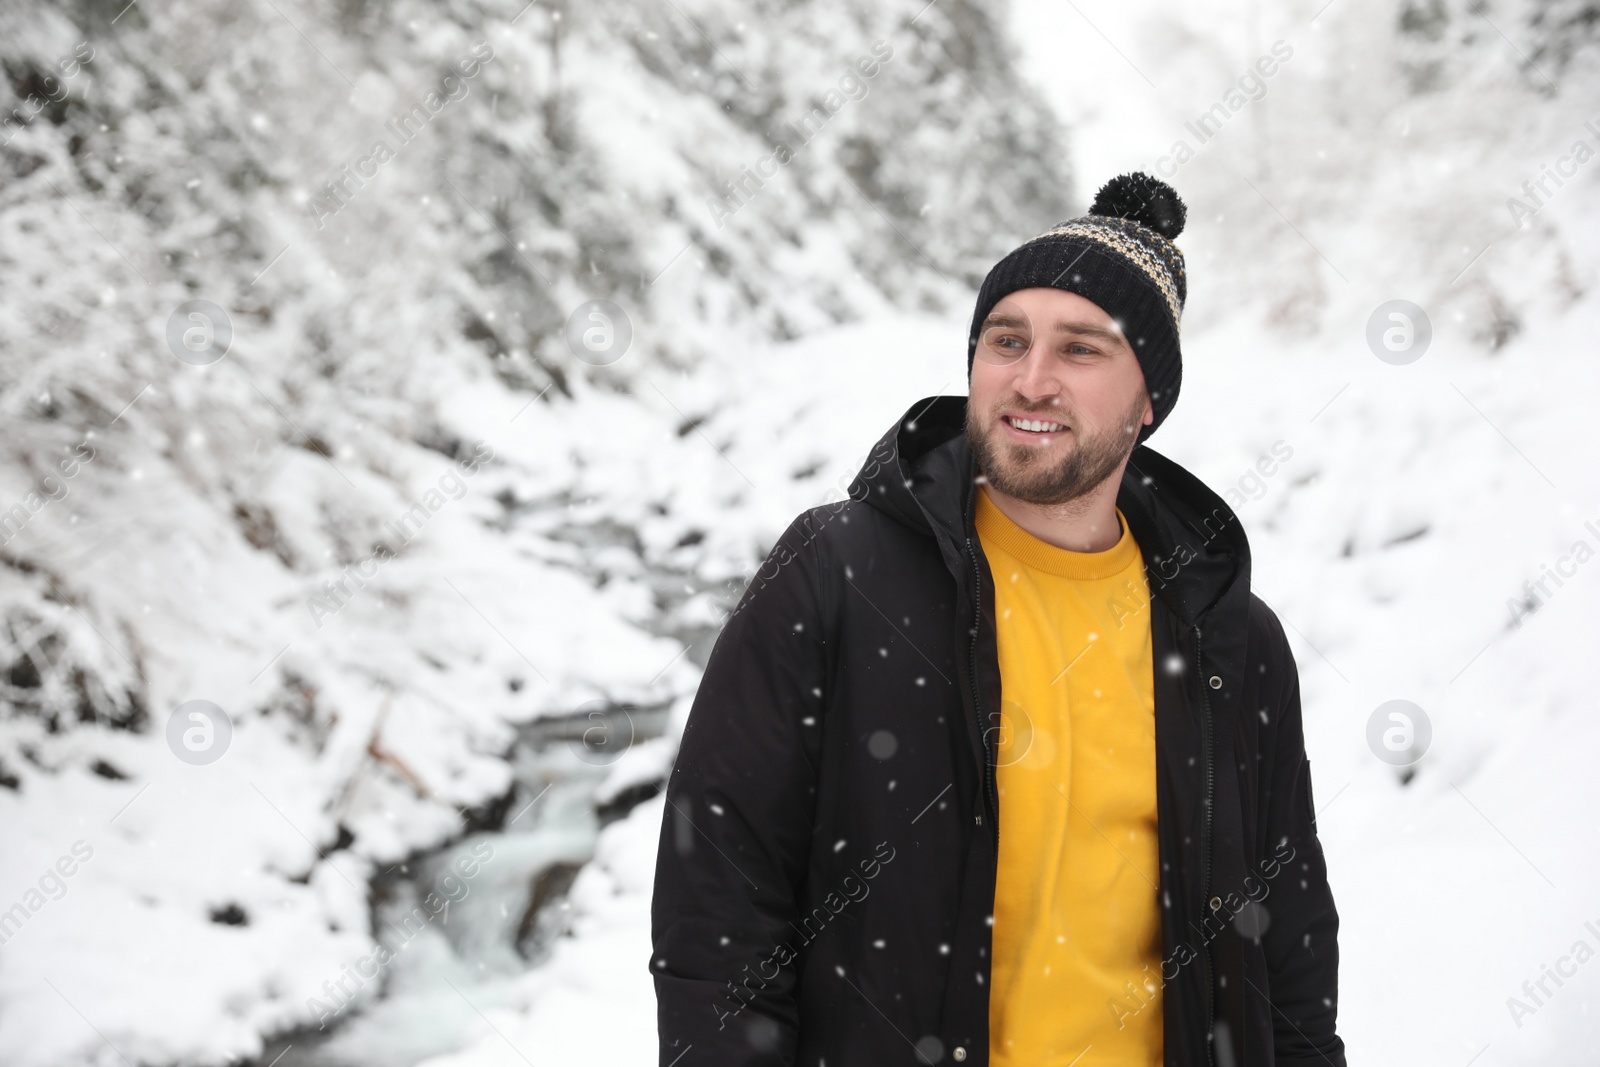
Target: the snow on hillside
(305, 420)
(248, 532)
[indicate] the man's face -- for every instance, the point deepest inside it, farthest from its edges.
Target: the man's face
(1050, 357)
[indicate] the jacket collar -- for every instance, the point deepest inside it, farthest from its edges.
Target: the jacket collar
(921, 473)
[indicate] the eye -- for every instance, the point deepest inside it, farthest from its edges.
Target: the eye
(1000, 339)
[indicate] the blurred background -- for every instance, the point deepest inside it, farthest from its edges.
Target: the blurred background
(395, 397)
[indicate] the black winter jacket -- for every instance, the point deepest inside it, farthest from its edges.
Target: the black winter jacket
(825, 880)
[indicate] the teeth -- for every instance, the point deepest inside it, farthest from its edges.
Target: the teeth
(1036, 425)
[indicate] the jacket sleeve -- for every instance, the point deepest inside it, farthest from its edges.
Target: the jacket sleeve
(737, 825)
(1301, 939)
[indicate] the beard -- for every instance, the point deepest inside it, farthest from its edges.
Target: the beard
(1040, 476)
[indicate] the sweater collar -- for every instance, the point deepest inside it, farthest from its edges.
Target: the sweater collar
(1001, 533)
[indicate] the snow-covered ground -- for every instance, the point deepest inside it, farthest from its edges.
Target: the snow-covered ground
(381, 735)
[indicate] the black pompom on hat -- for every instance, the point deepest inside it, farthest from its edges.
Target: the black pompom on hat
(1120, 256)
(1143, 199)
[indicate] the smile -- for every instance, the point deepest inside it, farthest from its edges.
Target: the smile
(1032, 426)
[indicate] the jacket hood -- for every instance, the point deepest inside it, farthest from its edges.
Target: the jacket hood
(922, 473)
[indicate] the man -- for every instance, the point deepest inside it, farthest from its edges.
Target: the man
(1000, 760)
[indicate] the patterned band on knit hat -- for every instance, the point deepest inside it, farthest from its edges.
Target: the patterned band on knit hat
(1121, 257)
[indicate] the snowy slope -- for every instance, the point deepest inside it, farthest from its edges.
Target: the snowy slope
(374, 504)
(376, 346)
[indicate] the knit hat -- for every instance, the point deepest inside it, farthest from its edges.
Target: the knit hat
(1121, 257)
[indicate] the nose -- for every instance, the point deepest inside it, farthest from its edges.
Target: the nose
(1035, 379)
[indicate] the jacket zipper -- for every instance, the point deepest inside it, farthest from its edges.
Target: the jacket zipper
(977, 699)
(1205, 842)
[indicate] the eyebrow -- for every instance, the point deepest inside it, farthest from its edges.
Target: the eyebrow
(1083, 328)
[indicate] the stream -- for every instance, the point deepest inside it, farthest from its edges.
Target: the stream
(498, 903)
(505, 881)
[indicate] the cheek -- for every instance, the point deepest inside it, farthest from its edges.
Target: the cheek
(1121, 387)
(1102, 396)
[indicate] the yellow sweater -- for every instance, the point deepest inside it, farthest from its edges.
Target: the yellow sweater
(1077, 926)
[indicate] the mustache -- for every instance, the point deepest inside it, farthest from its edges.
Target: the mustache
(1024, 406)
